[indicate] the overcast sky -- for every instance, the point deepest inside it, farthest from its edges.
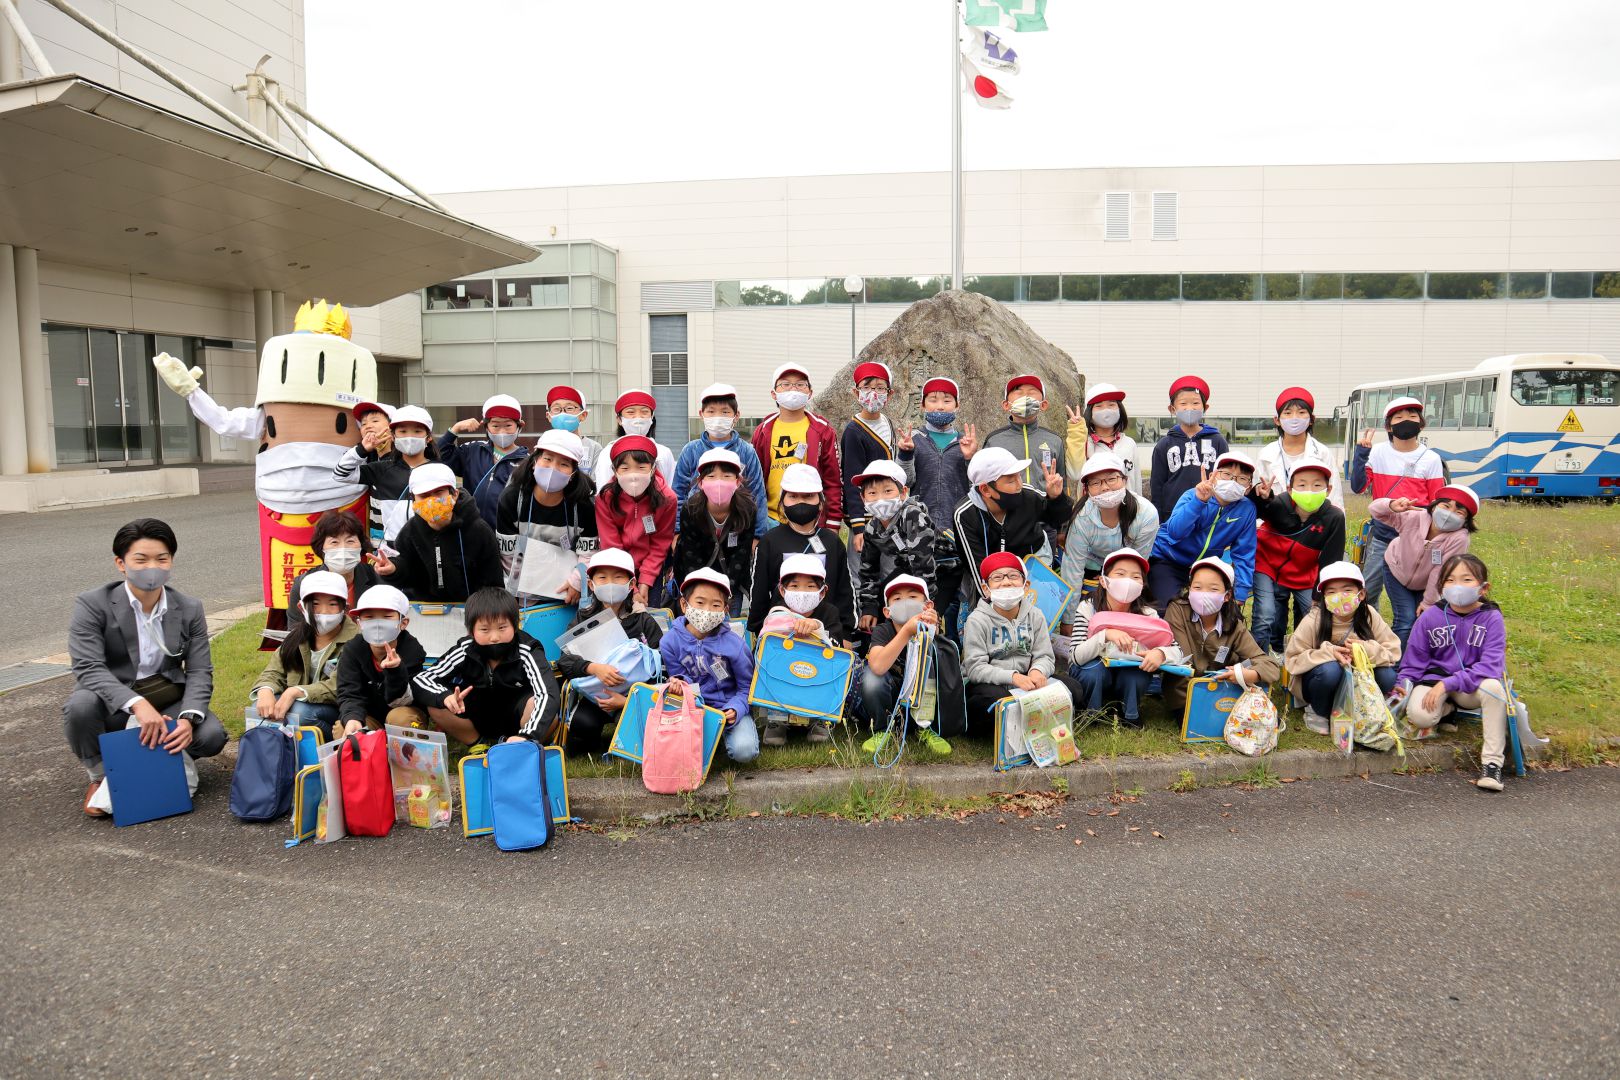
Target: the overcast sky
(486, 94)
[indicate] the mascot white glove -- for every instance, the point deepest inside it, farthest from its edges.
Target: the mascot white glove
(174, 373)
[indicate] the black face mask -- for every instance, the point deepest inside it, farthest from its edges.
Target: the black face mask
(1406, 429)
(1010, 501)
(802, 513)
(497, 650)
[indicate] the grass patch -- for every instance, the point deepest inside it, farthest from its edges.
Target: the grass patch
(237, 664)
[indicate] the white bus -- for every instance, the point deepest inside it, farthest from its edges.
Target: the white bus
(1530, 424)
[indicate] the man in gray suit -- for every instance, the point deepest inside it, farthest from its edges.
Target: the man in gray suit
(140, 650)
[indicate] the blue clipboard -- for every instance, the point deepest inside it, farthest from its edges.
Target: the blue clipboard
(1006, 758)
(1052, 593)
(631, 728)
(803, 678)
(545, 622)
(1131, 661)
(1209, 703)
(309, 741)
(663, 617)
(308, 787)
(476, 817)
(146, 783)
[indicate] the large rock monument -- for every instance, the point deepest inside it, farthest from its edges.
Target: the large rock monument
(970, 338)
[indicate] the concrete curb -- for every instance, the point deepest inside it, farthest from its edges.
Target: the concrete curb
(622, 798)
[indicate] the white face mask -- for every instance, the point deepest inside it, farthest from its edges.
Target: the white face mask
(703, 620)
(1460, 595)
(802, 601)
(296, 478)
(341, 560)
(379, 631)
(1189, 416)
(410, 445)
(611, 592)
(1295, 425)
(1123, 589)
(1007, 597)
(503, 439)
(718, 427)
(1229, 491)
(1105, 417)
(1447, 520)
(1110, 499)
(792, 400)
(325, 624)
(1206, 603)
(903, 611)
(636, 425)
(634, 484)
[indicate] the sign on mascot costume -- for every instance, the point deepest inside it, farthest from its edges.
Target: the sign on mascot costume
(308, 381)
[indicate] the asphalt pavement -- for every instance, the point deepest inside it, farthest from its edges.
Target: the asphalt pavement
(54, 556)
(1405, 927)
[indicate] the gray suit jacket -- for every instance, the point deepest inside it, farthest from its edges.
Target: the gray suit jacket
(105, 647)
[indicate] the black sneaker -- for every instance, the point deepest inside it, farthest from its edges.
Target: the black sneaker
(1490, 779)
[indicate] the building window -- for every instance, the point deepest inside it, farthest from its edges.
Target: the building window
(1383, 286)
(807, 291)
(1467, 286)
(1218, 286)
(1324, 287)
(1002, 287)
(1527, 286)
(1082, 287)
(1165, 214)
(532, 292)
(1141, 287)
(1280, 286)
(461, 296)
(1117, 215)
(667, 335)
(1586, 285)
(904, 290)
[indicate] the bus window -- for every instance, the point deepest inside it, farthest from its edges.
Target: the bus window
(1434, 404)
(1489, 419)
(1566, 387)
(1474, 414)
(1454, 401)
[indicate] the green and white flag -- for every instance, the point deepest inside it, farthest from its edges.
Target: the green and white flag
(1024, 14)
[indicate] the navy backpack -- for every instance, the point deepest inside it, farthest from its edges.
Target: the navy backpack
(262, 785)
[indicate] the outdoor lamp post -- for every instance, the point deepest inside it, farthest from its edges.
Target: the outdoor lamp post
(852, 287)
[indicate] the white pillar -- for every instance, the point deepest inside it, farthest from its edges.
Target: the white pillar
(11, 69)
(13, 436)
(30, 335)
(264, 318)
(278, 313)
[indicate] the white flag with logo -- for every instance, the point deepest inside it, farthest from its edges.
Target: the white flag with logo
(989, 49)
(984, 89)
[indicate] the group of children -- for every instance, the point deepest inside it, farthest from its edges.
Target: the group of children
(860, 539)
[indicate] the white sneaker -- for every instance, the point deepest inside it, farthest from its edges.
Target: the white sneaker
(1316, 723)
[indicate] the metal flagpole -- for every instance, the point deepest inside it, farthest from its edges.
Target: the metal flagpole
(956, 149)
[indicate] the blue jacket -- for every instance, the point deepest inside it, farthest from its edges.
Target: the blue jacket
(686, 472)
(1197, 528)
(481, 475)
(692, 659)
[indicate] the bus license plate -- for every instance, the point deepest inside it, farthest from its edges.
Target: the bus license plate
(1567, 464)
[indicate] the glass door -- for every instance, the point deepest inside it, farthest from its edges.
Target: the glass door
(140, 411)
(107, 391)
(72, 406)
(177, 431)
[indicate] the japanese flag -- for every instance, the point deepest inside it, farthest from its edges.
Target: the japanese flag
(983, 89)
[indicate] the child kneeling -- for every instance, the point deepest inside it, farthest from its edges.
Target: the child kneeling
(1458, 652)
(804, 613)
(612, 574)
(1118, 591)
(907, 608)
(1005, 643)
(1208, 623)
(702, 650)
(494, 684)
(1318, 654)
(375, 669)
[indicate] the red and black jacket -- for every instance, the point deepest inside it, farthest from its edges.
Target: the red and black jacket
(1291, 550)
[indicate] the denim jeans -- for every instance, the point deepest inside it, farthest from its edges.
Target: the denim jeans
(1105, 685)
(1372, 567)
(1403, 603)
(303, 714)
(1270, 613)
(878, 693)
(1319, 685)
(742, 739)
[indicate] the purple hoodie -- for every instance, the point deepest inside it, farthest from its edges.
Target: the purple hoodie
(1460, 651)
(694, 659)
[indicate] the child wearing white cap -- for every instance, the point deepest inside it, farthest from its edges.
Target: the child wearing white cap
(1318, 654)
(1002, 513)
(804, 612)
(717, 525)
(377, 665)
(445, 551)
(612, 576)
(899, 536)
(485, 465)
(299, 684)
(1207, 620)
(1215, 517)
(718, 409)
(803, 503)
(906, 608)
(702, 649)
(548, 512)
(1099, 427)
(387, 479)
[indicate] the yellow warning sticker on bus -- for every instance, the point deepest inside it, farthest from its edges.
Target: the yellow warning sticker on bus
(1570, 423)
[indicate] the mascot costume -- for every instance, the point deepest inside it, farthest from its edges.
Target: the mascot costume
(309, 380)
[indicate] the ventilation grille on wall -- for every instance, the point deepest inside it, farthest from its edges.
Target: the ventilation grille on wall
(1117, 215)
(677, 296)
(1164, 215)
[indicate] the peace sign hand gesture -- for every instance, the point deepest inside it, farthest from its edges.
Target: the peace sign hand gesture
(390, 657)
(1366, 438)
(1052, 479)
(456, 702)
(1077, 415)
(384, 565)
(1206, 485)
(904, 443)
(970, 441)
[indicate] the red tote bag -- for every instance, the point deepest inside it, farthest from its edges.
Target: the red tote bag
(368, 789)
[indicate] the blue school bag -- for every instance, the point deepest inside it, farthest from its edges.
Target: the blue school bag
(804, 678)
(520, 811)
(637, 662)
(262, 785)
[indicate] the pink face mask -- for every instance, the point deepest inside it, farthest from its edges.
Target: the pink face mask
(719, 490)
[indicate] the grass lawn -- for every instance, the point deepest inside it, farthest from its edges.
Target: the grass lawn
(1554, 570)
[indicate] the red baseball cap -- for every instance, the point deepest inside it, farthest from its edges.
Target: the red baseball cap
(633, 397)
(1299, 393)
(1190, 382)
(625, 443)
(999, 560)
(1460, 494)
(1024, 380)
(872, 369)
(941, 385)
(563, 393)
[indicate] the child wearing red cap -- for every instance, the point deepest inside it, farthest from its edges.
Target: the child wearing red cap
(1186, 455)
(940, 456)
(1425, 540)
(869, 437)
(1024, 400)
(635, 411)
(1099, 427)
(565, 408)
(1300, 533)
(1295, 420)
(793, 435)
(636, 512)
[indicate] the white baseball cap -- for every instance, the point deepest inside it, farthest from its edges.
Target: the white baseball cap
(617, 558)
(992, 463)
(1340, 571)
(801, 563)
(717, 390)
(905, 581)
(801, 479)
(797, 369)
(431, 477)
(720, 456)
(503, 406)
(1402, 403)
(884, 468)
(382, 598)
(1236, 458)
(324, 583)
(561, 442)
(1100, 463)
(1220, 566)
(410, 414)
(710, 575)
(1103, 391)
